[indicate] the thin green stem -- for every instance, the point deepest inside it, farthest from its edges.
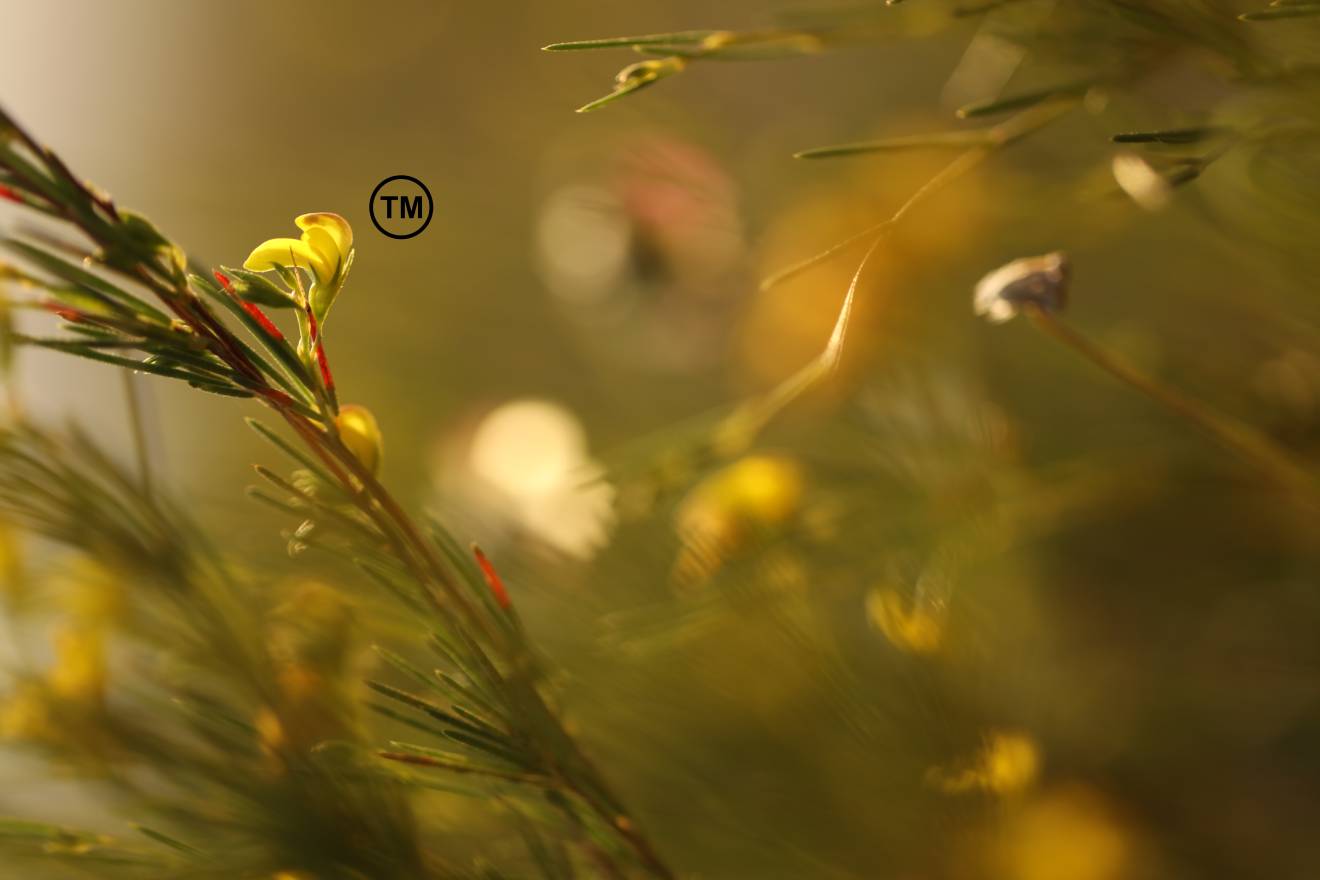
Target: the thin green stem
(1248, 443)
(137, 424)
(996, 138)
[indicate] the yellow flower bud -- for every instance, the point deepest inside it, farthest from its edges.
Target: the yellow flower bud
(357, 428)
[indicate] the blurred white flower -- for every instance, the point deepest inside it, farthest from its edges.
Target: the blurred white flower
(525, 467)
(642, 249)
(1143, 184)
(1040, 281)
(583, 244)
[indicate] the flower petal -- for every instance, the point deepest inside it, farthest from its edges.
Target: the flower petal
(323, 242)
(290, 252)
(333, 225)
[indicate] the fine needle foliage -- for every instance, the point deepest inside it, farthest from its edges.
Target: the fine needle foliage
(128, 298)
(243, 754)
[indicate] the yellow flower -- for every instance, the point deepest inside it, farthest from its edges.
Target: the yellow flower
(324, 251)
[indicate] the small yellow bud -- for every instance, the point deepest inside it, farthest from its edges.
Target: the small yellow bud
(360, 433)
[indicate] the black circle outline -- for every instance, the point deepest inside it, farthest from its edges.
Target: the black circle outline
(430, 208)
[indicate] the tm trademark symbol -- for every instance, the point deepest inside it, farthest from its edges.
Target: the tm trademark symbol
(401, 206)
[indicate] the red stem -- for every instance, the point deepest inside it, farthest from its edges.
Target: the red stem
(493, 579)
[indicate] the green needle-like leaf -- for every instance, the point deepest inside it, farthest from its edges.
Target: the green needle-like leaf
(1019, 102)
(678, 38)
(938, 140)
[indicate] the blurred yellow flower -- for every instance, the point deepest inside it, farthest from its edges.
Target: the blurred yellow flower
(270, 730)
(25, 714)
(79, 673)
(758, 493)
(918, 629)
(1068, 834)
(92, 592)
(13, 584)
(759, 489)
(1007, 764)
